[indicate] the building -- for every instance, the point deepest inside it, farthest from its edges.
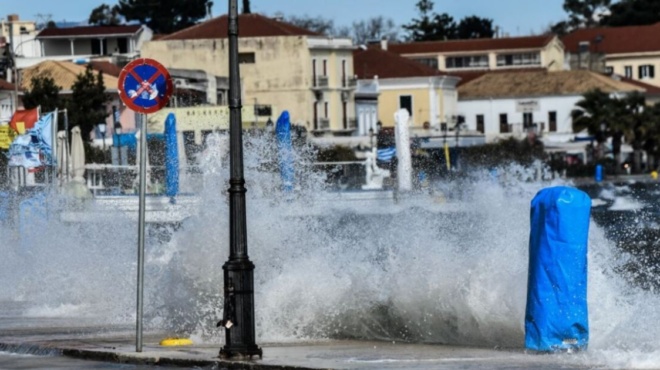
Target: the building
(117, 43)
(282, 67)
(400, 83)
(545, 52)
(22, 34)
(514, 104)
(7, 101)
(632, 52)
(65, 74)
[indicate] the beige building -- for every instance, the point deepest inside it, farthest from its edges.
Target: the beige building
(428, 95)
(546, 52)
(22, 33)
(283, 67)
(632, 52)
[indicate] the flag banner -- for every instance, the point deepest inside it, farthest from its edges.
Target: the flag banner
(35, 147)
(386, 154)
(23, 120)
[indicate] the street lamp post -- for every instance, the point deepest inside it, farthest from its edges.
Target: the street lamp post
(238, 317)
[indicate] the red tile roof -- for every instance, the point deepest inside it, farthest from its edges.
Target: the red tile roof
(505, 43)
(650, 89)
(467, 76)
(106, 67)
(385, 64)
(4, 85)
(615, 40)
(249, 25)
(89, 31)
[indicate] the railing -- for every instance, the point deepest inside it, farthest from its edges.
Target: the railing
(322, 81)
(351, 124)
(324, 124)
(349, 82)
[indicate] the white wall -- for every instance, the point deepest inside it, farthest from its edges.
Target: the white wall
(492, 108)
(6, 106)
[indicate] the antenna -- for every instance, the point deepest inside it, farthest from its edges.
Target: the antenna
(43, 19)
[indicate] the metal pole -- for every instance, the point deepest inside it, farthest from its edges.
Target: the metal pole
(238, 310)
(141, 221)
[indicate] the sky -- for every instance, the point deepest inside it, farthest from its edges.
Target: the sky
(515, 17)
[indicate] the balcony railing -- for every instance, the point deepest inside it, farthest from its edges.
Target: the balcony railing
(321, 82)
(323, 124)
(349, 82)
(351, 124)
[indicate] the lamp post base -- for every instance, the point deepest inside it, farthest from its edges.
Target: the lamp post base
(241, 353)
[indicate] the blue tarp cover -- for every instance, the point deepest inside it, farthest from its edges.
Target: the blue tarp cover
(556, 317)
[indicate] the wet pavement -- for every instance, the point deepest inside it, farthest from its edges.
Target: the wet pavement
(32, 349)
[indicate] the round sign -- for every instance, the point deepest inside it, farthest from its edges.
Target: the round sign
(145, 85)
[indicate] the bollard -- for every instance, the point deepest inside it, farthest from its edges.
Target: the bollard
(556, 317)
(599, 173)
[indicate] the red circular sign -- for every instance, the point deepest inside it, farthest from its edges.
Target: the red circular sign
(145, 85)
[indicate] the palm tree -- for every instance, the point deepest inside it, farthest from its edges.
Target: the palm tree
(595, 113)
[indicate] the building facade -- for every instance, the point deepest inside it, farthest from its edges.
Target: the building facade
(632, 52)
(282, 67)
(546, 52)
(516, 104)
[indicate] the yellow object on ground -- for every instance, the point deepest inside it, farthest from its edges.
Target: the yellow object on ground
(175, 342)
(654, 175)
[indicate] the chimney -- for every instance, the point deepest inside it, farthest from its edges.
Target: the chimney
(12, 17)
(383, 43)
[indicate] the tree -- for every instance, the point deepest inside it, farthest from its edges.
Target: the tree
(43, 92)
(429, 26)
(164, 16)
(584, 13)
(376, 28)
(88, 100)
(594, 113)
(318, 24)
(104, 15)
(246, 7)
(633, 13)
(475, 28)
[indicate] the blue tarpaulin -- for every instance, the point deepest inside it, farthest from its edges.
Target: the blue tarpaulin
(171, 157)
(557, 317)
(283, 132)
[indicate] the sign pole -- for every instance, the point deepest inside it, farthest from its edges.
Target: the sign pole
(145, 86)
(141, 226)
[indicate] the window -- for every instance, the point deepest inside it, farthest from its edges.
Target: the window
(325, 108)
(431, 62)
(316, 115)
(646, 71)
(521, 59)
(627, 71)
(245, 58)
(405, 102)
(325, 67)
(583, 46)
(609, 70)
(504, 123)
(528, 120)
(552, 121)
(474, 61)
(344, 82)
(480, 123)
(122, 45)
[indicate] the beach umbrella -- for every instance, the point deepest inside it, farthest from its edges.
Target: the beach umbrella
(77, 155)
(171, 157)
(63, 157)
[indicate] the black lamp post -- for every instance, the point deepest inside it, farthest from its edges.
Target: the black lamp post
(238, 317)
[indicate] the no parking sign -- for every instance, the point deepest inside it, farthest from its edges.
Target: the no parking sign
(145, 85)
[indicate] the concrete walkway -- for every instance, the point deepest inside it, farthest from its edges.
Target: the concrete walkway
(321, 355)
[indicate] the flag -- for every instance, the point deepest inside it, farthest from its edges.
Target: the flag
(35, 147)
(24, 120)
(386, 154)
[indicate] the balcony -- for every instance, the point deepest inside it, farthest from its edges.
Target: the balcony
(351, 124)
(321, 82)
(323, 124)
(349, 83)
